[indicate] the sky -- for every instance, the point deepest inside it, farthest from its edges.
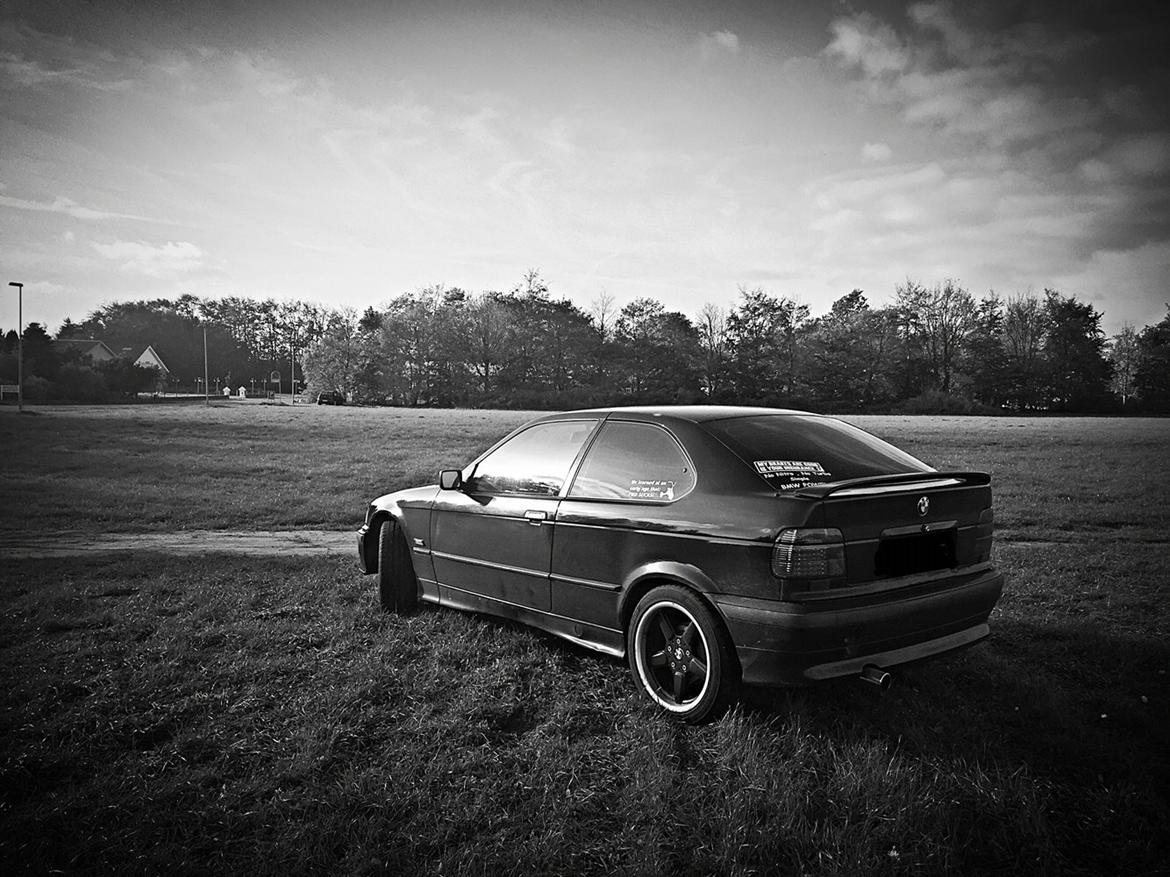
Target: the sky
(348, 152)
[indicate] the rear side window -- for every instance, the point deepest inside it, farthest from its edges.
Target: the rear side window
(634, 461)
(791, 451)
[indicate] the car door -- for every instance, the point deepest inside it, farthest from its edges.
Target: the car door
(492, 538)
(626, 506)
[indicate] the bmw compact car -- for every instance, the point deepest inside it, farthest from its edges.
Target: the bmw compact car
(710, 546)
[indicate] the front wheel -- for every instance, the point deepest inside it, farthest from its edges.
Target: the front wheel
(397, 583)
(680, 654)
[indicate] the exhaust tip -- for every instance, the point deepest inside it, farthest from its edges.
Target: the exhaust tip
(875, 675)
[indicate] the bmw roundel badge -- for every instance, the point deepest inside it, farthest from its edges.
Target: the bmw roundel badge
(923, 505)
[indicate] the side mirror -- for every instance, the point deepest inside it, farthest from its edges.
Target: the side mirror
(450, 479)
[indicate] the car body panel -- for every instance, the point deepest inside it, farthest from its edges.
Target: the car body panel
(496, 546)
(796, 643)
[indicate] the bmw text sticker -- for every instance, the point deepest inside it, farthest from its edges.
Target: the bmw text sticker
(789, 474)
(642, 489)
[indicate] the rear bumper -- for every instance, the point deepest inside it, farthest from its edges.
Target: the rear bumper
(798, 643)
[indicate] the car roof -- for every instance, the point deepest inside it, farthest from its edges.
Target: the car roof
(693, 413)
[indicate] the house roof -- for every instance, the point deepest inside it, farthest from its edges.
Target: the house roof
(88, 346)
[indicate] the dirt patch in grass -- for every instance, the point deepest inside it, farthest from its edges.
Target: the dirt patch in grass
(277, 543)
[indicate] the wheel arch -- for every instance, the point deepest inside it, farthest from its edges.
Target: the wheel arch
(379, 517)
(645, 578)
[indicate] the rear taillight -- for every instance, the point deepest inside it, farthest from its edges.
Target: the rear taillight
(983, 535)
(808, 559)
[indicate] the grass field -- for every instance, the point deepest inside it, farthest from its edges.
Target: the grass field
(260, 715)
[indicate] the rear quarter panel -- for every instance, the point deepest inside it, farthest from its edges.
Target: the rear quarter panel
(718, 537)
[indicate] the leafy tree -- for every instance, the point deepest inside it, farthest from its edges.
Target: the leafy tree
(412, 327)
(40, 358)
(985, 362)
(1025, 326)
(846, 353)
(941, 318)
(1074, 347)
(659, 353)
(486, 333)
(551, 352)
(1152, 376)
(331, 362)
(762, 333)
(571, 344)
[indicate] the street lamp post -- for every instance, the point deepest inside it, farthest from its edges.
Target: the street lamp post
(19, 346)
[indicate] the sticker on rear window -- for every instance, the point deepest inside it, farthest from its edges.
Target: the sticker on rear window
(792, 473)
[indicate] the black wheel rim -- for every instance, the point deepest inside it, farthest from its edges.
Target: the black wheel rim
(672, 656)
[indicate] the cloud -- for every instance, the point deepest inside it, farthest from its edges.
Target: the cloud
(987, 225)
(173, 257)
(71, 208)
(864, 41)
(1072, 102)
(1008, 83)
(878, 152)
(34, 60)
(721, 42)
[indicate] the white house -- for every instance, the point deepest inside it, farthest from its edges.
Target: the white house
(150, 358)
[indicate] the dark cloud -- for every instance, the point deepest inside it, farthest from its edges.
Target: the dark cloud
(1073, 95)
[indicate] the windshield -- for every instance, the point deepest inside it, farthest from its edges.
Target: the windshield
(791, 451)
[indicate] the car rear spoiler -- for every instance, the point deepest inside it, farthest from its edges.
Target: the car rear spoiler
(880, 483)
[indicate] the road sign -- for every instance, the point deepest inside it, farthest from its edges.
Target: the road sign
(274, 377)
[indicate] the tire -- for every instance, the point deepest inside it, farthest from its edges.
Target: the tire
(681, 655)
(397, 583)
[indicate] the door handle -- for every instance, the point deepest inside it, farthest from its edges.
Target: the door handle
(536, 518)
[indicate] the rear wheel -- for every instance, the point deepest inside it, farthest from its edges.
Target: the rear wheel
(397, 583)
(680, 654)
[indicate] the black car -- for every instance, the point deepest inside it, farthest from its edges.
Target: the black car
(331, 397)
(711, 546)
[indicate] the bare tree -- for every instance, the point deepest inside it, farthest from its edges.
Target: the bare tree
(712, 326)
(602, 312)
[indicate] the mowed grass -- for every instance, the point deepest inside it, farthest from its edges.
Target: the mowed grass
(229, 466)
(261, 715)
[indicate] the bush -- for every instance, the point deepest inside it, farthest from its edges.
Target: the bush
(37, 389)
(937, 402)
(76, 383)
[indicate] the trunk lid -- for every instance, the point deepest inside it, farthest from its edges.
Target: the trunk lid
(908, 524)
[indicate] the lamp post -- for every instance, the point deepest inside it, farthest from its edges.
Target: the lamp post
(19, 346)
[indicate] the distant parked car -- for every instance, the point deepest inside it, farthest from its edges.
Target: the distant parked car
(710, 546)
(332, 397)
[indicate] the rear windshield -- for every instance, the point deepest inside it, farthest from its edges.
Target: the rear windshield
(791, 451)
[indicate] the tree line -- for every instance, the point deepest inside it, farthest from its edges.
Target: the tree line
(932, 348)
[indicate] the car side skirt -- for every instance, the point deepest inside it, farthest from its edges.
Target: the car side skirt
(591, 636)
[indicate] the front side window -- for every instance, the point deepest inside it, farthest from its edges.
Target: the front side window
(534, 462)
(634, 461)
